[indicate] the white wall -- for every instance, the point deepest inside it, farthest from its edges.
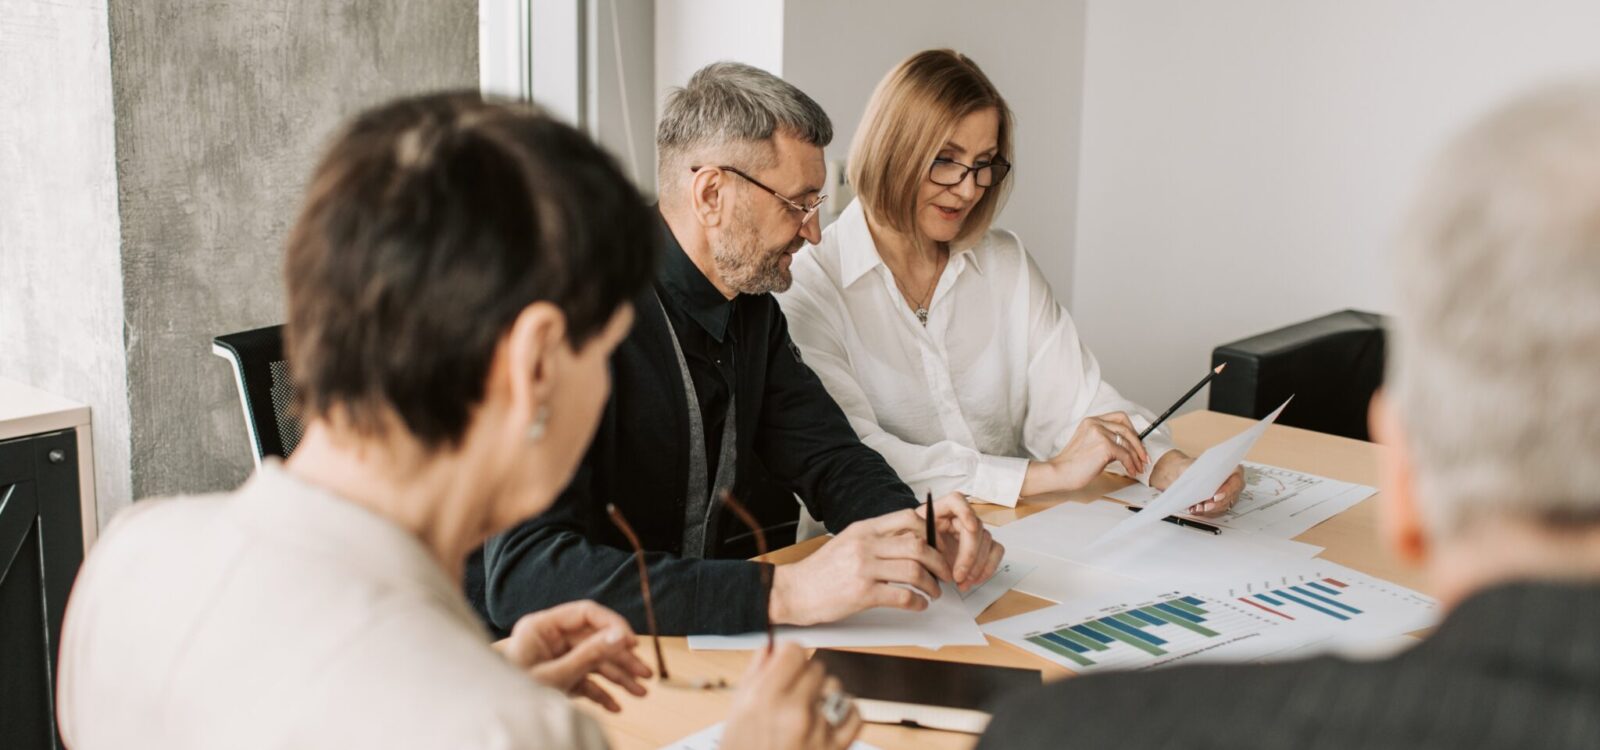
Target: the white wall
(838, 50)
(61, 311)
(693, 33)
(1245, 162)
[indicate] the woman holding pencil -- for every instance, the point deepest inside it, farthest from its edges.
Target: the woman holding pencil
(938, 336)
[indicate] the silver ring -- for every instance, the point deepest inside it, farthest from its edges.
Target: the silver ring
(1117, 439)
(836, 707)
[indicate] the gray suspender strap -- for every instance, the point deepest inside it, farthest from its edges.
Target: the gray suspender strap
(700, 509)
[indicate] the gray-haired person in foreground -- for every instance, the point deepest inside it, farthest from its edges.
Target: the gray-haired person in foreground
(1491, 483)
(711, 394)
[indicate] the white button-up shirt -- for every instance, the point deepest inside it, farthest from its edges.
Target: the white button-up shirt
(996, 378)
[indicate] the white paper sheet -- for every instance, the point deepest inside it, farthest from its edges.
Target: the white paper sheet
(710, 738)
(1003, 580)
(946, 622)
(1276, 501)
(1162, 552)
(1199, 482)
(1060, 580)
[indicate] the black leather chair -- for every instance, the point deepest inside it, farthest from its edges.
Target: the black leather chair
(1331, 365)
(267, 393)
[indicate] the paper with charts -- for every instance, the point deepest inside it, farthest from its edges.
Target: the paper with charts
(1320, 605)
(1197, 483)
(1276, 501)
(710, 738)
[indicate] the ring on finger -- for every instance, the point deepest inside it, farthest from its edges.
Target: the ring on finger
(835, 707)
(1117, 439)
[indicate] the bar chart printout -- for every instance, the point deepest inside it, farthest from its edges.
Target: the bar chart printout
(1349, 602)
(1155, 632)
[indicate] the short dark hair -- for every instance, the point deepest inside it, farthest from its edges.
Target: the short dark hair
(429, 225)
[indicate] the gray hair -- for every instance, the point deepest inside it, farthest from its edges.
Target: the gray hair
(729, 105)
(1496, 366)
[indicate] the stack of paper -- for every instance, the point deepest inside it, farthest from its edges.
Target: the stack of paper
(1069, 532)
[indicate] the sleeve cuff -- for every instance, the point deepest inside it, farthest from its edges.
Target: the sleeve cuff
(729, 598)
(998, 480)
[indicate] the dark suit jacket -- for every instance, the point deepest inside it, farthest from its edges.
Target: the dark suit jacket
(788, 429)
(1513, 667)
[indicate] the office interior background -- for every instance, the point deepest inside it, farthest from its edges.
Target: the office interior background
(1188, 173)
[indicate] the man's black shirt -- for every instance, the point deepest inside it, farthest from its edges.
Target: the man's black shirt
(787, 425)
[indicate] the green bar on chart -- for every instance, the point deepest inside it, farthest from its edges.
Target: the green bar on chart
(1185, 606)
(1181, 622)
(1125, 638)
(1092, 645)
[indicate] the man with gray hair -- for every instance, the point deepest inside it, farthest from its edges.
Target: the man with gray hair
(1491, 483)
(710, 394)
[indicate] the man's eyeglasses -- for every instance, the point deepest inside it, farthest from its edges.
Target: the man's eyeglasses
(950, 173)
(804, 212)
(692, 683)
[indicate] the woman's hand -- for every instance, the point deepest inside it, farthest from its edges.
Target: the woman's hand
(1175, 462)
(779, 706)
(565, 646)
(1096, 443)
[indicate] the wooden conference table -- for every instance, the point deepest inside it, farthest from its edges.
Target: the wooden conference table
(1351, 538)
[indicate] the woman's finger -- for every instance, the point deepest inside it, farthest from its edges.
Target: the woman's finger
(621, 678)
(592, 690)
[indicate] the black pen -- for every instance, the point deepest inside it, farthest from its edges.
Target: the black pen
(1181, 401)
(932, 537)
(1196, 525)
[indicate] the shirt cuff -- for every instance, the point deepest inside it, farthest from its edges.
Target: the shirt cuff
(998, 480)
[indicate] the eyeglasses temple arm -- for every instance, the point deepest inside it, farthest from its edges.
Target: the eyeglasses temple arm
(761, 548)
(644, 584)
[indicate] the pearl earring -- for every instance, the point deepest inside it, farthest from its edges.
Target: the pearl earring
(541, 419)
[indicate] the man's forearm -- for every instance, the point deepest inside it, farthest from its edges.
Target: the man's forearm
(541, 568)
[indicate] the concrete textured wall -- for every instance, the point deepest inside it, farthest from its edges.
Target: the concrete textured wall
(60, 271)
(222, 109)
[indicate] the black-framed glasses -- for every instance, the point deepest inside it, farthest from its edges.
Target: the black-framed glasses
(690, 683)
(950, 173)
(805, 212)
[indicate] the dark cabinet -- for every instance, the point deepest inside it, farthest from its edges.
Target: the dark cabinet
(41, 547)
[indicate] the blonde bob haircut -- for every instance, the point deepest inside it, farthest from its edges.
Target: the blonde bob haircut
(910, 117)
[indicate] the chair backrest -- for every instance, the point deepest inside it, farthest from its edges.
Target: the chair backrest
(265, 390)
(1331, 365)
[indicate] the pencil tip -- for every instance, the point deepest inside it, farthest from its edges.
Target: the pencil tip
(1219, 368)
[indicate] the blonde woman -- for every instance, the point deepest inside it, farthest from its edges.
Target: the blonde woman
(937, 335)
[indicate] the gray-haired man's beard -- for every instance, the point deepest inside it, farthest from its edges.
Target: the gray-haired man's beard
(749, 269)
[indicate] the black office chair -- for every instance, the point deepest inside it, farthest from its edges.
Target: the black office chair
(262, 374)
(1331, 365)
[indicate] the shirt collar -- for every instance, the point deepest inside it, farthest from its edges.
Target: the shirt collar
(690, 290)
(858, 254)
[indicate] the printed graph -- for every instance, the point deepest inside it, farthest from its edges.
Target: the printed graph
(1139, 636)
(1334, 599)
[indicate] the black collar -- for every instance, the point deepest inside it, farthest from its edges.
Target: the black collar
(689, 290)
